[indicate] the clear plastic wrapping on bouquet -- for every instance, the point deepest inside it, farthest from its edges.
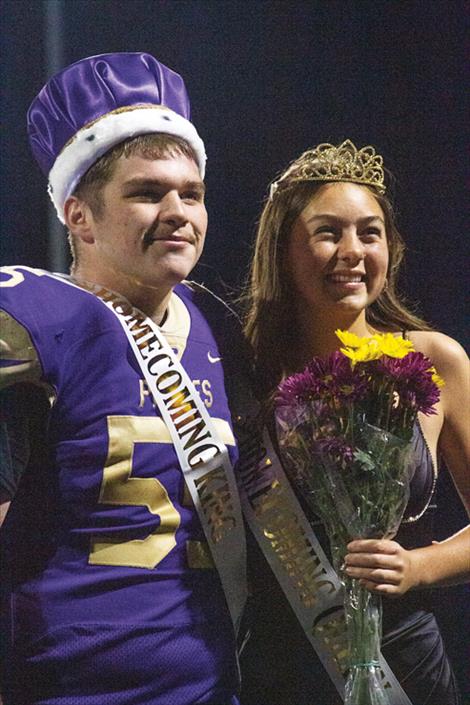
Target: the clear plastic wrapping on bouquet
(360, 482)
(359, 486)
(363, 613)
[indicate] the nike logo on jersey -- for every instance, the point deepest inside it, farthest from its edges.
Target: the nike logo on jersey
(213, 359)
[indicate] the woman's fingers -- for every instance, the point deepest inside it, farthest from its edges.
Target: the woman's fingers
(380, 565)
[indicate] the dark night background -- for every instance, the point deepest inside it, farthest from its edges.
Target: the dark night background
(268, 79)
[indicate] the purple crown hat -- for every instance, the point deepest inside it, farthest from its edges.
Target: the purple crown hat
(97, 102)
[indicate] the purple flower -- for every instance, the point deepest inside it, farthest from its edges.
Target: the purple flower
(421, 396)
(412, 375)
(414, 363)
(335, 365)
(297, 388)
(334, 377)
(336, 448)
(329, 378)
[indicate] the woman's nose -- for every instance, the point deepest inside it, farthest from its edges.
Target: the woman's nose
(350, 247)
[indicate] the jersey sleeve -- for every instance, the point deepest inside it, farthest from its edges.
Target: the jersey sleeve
(20, 368)
(14, 438)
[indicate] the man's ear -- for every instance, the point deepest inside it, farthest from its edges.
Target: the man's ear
(79, 218)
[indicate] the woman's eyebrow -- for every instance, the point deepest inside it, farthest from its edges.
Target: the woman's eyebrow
(336, 218)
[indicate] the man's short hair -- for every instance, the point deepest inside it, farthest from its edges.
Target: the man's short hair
(148, 146)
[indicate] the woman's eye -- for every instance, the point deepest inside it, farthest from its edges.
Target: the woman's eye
(326, 231)
(372, 233)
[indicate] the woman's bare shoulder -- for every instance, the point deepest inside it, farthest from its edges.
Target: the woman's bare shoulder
(446, 354)
(440, 348)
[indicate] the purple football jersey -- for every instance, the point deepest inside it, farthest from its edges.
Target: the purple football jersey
(114, 599)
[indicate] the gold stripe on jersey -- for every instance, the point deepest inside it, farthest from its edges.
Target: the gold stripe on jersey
(16, 346)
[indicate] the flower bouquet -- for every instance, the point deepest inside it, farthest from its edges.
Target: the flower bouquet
(344, 426)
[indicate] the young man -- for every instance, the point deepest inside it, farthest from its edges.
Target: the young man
(123, 544)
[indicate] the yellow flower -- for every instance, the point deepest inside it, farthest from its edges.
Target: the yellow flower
(393, 346)
(350, 339)
(369, 350)
(437, 379)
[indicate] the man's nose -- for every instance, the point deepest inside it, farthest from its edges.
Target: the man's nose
(172, 209)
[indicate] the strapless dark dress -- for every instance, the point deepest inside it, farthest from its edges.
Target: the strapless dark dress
(278, 665)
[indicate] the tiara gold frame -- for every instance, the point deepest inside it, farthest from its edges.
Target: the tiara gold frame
(328, 162)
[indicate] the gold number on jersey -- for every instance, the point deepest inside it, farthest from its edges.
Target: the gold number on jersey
(17, 276)
(118, 487)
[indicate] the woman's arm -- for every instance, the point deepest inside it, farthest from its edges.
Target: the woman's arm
(385, 566)
(454, 439)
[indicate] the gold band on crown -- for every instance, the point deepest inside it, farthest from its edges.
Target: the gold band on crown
(326, 162)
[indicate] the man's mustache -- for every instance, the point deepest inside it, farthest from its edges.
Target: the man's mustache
(177, 234)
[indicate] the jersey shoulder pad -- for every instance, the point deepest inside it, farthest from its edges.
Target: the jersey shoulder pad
(45, 316)
(19, 361)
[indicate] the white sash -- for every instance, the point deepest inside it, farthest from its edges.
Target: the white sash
(294, 554)
(203, 457)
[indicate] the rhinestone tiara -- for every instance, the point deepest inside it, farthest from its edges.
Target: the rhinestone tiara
(326, 162)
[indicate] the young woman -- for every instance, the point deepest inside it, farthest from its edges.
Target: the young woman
(327, 256)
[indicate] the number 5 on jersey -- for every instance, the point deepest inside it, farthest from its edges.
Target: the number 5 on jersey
(119, 488)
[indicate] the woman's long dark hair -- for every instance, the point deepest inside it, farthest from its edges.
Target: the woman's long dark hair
(270, 317)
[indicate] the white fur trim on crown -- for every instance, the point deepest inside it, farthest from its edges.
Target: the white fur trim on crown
(92, 141)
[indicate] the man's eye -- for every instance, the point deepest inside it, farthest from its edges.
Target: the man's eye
(146, 196)
(192, 196)
(149, 195)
